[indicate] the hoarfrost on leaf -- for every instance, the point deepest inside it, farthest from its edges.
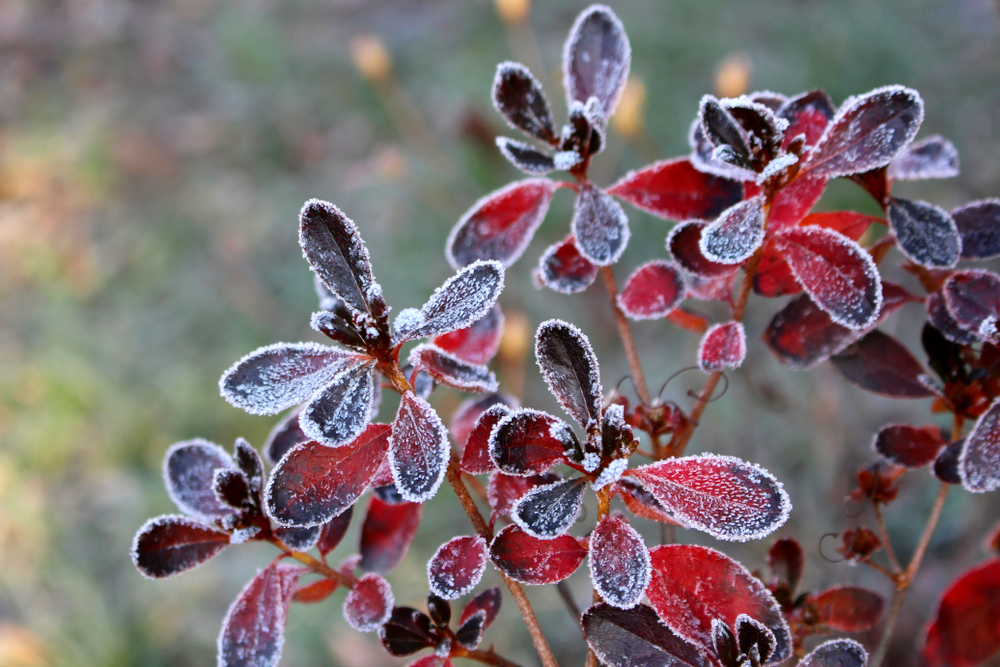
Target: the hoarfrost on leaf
(369, 604)
(837, 653)
(533, 561)
(189, 469)
(457, 567)
(339, 413)
(570, 369)
(933, 157)
(169, 545)
(652, 291)
(736, 234)
(926, 234)
(979, 462)
(599, 226)
(526, 158)
(253, 631)
(564, 269)
(619, 563)
(723, 346)
(611, 474)
(452, 371)
(979, 224)
(461, 300)
(549, 511)
(596, 58)
(419, 449)
(636, 638)
(519, 98)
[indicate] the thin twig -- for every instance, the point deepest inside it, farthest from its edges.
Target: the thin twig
(884, 534)
(486, 657)
(625, 333)
(317, 566)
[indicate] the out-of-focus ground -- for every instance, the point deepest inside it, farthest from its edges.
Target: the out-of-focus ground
(153, 158)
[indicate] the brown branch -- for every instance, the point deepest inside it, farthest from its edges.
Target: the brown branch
(625, 333)
(884, 534)
(319, 567)
(485, 657)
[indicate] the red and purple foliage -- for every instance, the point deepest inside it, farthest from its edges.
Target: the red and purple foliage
(743, 203)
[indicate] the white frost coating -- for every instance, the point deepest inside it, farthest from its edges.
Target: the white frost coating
(765, 112)
(776, 165)
(979, 461)
(559, 430)
(267, 596)
(408, 319)
(555, 373)
(702, 160)
(550, 511)
(460, 301)
(451, 370)
(419, 429)
(600, 226)
(839, 652)
(340, 411)
(504, 71)
(611, 474)
(933, 157)
(241, 535)
(736, 234)
(276, 377)
(527, 158)
(443, 649)
(444, 561)
(191, 487)
(847, 158)
(591, 460)
(926, 234)
(606, 79)
(566, 159)
(547, 274)
(620, 567)
(159, 521)
(662, 305)
(726, 329)
(361, 606)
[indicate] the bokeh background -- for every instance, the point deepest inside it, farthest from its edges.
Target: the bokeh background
(153, 158)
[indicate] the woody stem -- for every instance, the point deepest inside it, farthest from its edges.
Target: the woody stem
(625, 333)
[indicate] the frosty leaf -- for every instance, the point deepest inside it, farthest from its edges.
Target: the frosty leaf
(337, 327)
(250, 464)
(849, 223)
(965, 632)
(946, 464)
(691, 586)
(849, 608)
(283, 437)
(909, 446)
(979, 225)
(333, 246)
(451, 371)
(526, 158)
(569, 368)
(317, 591)
(478, 342)
(470, 633)
(939, 317)
(773, 276)
(464, 419)
(562, 268)
(487, 602)
(341, 410)
(500, 225)
(720, 128)
(636, 638)
(476, 458)
(619, 562)
(723, 496)
(723, 346)
(419, 449)
(867, 132)
(675, 190)
(253, 631)
(333, 531)
(703, 289)
(505, 490)
(880, 364)
(973, 300)
(386, 534)
(926, 234)
(519, 98)
(736, 234)
(315, 483)
(979, 463)
(169, 545)
(641, 502)
(369, 604)
(752, 634)
(703, 157)
(461, 300)
(596, 59)
(549, 511)
(457, 567)
(535, 562)
(802, 335)
(837, 653)
(277, 377)
(794, 201)
(189, 473)
(406, 632)
(808, 115)
(933, 157)
(298, 539)
(599, 226)
(787, 561)
(684, 244)
(837, 273)
(655, 289)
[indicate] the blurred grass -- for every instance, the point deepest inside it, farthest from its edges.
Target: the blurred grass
(153, 157)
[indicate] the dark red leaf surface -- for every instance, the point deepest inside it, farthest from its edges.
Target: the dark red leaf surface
(406, 632)
(675, 190)
(910, 446)
(476, 343)
(529, 442)
(464, 419)
(500, 225)
(340, 411)
(867, 132)
(837, 653)
(655, 289)
(519, 98)
(684, 244)
(254, 628)
(636, 638)
(476, 458)
(315, 483)
(849, 223)
(532, 561)
(317, 591)
(334, 531)
(457, 567)
(419, 449)
(470, 633)
(849, 608)
(979, 224)
(600, 227)
(836, 272)
(720, 495)
(487, 602)
(933, 157)
(641, 502)
(189, 469)
(973, 300)
(979, 462)
(723, 346)
(794, 201)
(939, 318)
(965, 631)
(369, 604)
(774, 277)
(926, 234)
(452, 371)
(596, 58)
(787, 560)
(619, 562)
(386, 533)
(463, 299)
(504, 490)
(946, 464)
(169, 545)
(736, 234)
(562, 268)
(691, 586)
(549, 511)
(880, 364)
(285, 435)
(807, 114)
(298, 539)
(569, 367)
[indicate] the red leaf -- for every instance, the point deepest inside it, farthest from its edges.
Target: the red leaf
(720, 495)
(317, 591)
(599, 226)
(850, 224)
(386, 534)
(369, 604)
(476, 456)
(675, 190)
(723, 346)
(641, 502)
(505, 490)
(787, 560)
(419, 449)
(189, 469)
(457, 567)
(529, 442)
(315, 483)
(837, 653)
(973, 300)
(736, 234)
(619, 562)
(837, 273)
(452, 371)
(684, 244)
(464, 419)
(532, 561)
(254, 628)
(808, 114)
(169, 545)
(966, 629)
(500, 225)
(476, 343)
(910, 446)
(773, 276)
(569, 368)
(794, 201)
(636, 638)
(691, 586)
(285, 435)
(849, 608)
(334, 531)
(704, 289)
(562, 268)
(979, 462)
(880, 364)
(487, 602)
(867, 132)
(654, 290)
(596, 59)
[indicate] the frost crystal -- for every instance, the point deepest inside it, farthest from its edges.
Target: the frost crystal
(452, 371)
(596, 58)
(590, 461)
(837, 653)
(519, 98)
(549, 511)
(775, 166)
(926, 234)
(369, 604)
(736, 234)
(570, 369)
(419, 449)
(611, 474)
(340, 412)
(599, 226)
(563, 269)
(619, 563)
(979, 462)
(461, 300)
(172, 544)
(526, 158)
(189, 469)
(457, 567)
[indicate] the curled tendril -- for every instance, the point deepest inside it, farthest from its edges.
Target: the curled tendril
(618, 385)
(670, 379)
(711, 399)
(823, 555)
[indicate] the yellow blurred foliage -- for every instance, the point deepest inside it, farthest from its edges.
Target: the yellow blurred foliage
(19, 647)
(371, 58)
(513, 12)
(628, 118)
(732, 78)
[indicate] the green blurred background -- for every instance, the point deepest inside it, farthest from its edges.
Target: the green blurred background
(153, 158)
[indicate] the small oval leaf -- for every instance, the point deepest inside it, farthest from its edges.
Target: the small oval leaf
(600, 226)
(535, 562)
(736, 234)
(564, 269)
(457, 567)
(253, 631)
(596, 59)
(723, 346)
(386, 534)
(675, 190)
(655, 289)
(926, 234)
(419, 449)
(369, 604)
(619, 562)
(172, 544)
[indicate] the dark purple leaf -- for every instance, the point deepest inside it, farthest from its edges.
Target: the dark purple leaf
(563, 269)
(340, 411)
(470, 633)
(926, 234)
(973, 300)
(723, 346)
(386, 534)
(253, 631)
(476, 458)
(596, 59)
(419, 449)
(636, 638)
(369, 604)
(535, 562)
(457, 567)
(979, 225)
(979, 462)
(569, 368)
(880, 364)
(703, 157)
(336, 327)
(189, 473)
(406, 632)
(946, 464)
(478, 342)
(933, 157)
(333, 531)
(549, 511)
(449, 370)
(753, 635)
(655, 289)
(675, 190)
(250, 463)
(619, 562)
(283, 437)
(684, 244)
(232, 489)
(939, 317)
(736, 234)
(600, 226)
(909, 446)
(487, 602)
(519, 98)
(720, 128)
(526, 158)
(807, 114)
(461, 300)
(172, 544)
(298, 539)
(837, 653)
